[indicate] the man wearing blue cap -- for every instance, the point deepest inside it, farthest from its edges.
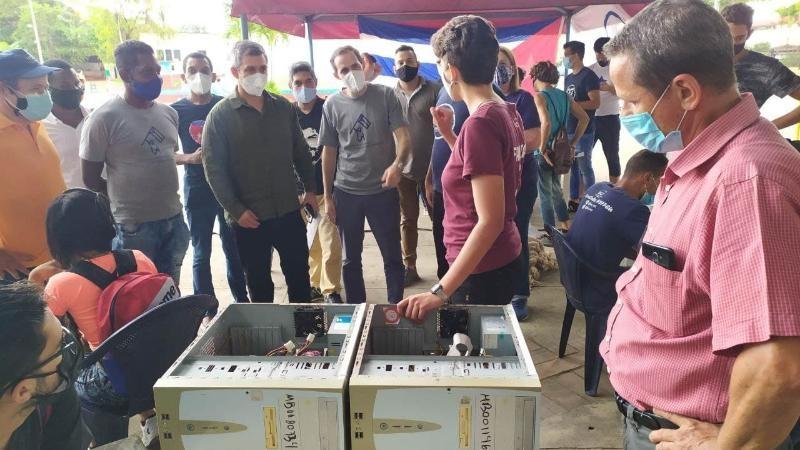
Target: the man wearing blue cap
(30, 171)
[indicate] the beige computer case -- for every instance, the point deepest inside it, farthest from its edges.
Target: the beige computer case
(405, 395)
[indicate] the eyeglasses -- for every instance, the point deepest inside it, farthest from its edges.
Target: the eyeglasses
(71, 353)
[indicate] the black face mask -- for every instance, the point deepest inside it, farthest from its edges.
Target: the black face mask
(406, 73)
(738, 48)
(67, 98)
(603, 63)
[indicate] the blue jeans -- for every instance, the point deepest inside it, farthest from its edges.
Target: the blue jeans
(382, 211)
(550, 194)
(582, 167)
(201, 227)
(163, 241)
(94, 386)
(526, 198)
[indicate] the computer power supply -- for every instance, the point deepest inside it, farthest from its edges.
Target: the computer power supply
(462, 379)
(263, 376)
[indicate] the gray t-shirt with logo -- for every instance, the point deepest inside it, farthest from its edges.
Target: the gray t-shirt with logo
(362, 128)
(138, 148)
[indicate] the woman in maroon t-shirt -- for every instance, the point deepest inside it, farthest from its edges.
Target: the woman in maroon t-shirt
(481, 178)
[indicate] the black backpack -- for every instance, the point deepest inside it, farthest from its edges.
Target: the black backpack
(559, 152)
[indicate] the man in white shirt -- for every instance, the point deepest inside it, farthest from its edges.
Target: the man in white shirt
(66, 120)
(607, 115)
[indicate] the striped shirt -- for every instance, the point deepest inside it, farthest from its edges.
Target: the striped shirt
(729, 208)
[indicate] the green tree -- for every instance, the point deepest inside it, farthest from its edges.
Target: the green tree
(256, 31)
(9, 17)
(790, 14)
(124, 20)
(61, 32)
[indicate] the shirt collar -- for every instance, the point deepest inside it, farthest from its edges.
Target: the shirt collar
(422, 83)
(52, 119)
(237, 101)
(714, 138)
(5, 122)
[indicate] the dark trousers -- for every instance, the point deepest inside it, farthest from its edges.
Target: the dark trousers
(494, 287)
(526, 198)
(201, 227)
(606, 130)
(382, 211)
(287, 234)
(437, 217)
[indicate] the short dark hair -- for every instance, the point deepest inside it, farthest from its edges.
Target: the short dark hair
(246, 48)
(302, 66)
(78, 221)
(405, 48)
(470, 44)
(739, 14)
(546, 72)
(673, 37)
(22, 339)
(126, 55)
(347, 49)
(645, 161)
(576, 47)
(599, 43)
(197, 55)
(58, 64)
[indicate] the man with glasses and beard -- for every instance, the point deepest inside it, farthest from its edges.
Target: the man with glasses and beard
(39, 408)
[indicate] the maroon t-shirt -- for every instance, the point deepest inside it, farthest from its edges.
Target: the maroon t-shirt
(491, 142)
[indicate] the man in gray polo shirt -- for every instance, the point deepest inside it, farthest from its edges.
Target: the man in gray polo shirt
(135, 138)
(418, 96)
(362, 125)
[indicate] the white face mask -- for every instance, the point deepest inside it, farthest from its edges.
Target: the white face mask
(448, 86)
(199, 83)
(354, 81)
(254, 84)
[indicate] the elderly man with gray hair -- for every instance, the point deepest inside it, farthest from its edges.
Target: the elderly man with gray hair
(703, 345)
(252, 146)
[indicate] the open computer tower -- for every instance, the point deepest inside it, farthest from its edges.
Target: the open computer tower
(225, 393)
(407, 393)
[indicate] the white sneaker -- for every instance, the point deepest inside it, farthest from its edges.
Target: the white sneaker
(149, 432)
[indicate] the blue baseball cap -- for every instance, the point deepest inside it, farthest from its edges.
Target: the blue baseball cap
(17, 63)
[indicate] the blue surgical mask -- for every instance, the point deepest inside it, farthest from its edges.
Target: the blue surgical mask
(34, 107)
(568, 63)
(648, 199)
(305, 94)
(148, 90)
(644, 129)
(502, 75)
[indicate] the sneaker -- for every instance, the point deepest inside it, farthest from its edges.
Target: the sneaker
(149, 432)
(333, 298)
(411, 277)
(546, 241)
(316, 294)
(520, 305)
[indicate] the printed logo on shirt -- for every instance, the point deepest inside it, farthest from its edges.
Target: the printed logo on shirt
(312, 139)
(519, 150)
(571, 91)
(360, 127)
(152, 141)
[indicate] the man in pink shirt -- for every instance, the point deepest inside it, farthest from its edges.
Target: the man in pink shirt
(703, 345)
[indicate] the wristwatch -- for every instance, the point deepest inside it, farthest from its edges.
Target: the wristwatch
(438, 290)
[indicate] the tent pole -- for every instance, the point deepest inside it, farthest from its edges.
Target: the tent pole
(245, 29)
(568, 25)
(307, 20)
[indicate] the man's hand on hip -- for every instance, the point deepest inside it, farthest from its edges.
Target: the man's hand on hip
(690, 435)
(391, 176)
(248, 220)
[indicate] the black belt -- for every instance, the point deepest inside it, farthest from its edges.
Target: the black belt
(643, 418)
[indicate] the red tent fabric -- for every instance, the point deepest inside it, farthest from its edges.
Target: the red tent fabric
(337, 19)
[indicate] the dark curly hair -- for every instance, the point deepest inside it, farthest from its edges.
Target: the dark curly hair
(546, 72)
(470, 44)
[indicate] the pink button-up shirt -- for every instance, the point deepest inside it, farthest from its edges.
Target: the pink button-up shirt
(729, 208)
